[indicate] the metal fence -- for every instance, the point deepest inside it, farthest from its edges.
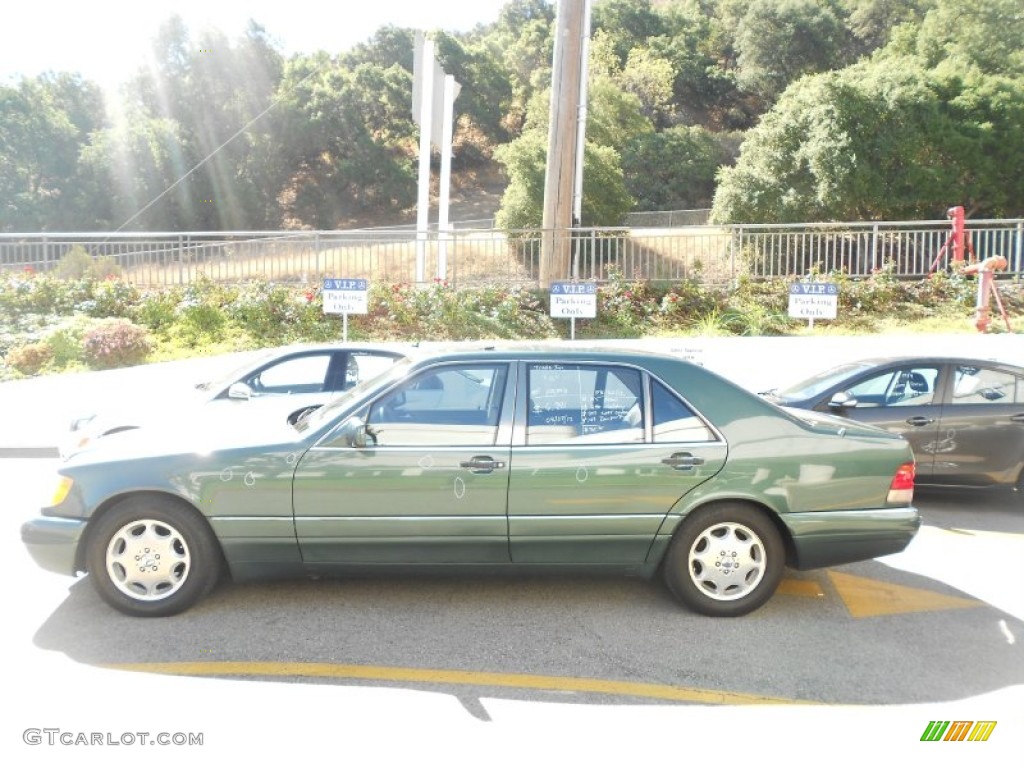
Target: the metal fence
(712, 254)
(691, 217)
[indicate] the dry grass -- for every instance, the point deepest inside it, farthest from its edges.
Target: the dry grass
(473, 257)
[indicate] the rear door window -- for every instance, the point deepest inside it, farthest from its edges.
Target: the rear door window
(584, 404)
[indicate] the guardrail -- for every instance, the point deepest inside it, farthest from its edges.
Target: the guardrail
(711, 254)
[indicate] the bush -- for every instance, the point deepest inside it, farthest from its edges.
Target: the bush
(114, 298)
(77, 264)
(30, 359)
(114, 344)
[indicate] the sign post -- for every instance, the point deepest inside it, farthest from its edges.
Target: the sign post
(573, 300)
(814, 301)
(345, 296)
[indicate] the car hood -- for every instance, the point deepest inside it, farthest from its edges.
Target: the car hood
(199, 432)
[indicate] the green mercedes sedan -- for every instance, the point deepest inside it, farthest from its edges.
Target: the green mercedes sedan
(550, 457)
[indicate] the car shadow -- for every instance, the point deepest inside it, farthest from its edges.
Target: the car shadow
(998, 511)
(626, 632)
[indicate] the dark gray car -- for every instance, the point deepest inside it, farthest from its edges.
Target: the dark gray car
(963, 417)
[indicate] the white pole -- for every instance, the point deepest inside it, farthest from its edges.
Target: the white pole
(443, 225)
(426, 121)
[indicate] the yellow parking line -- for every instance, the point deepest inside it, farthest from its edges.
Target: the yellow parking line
(800, 588)
(865, 598)
(453, 677)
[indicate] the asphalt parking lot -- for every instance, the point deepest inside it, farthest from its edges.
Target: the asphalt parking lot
(552, 668)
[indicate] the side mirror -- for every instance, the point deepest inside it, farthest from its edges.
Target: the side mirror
(364, 436)
(842, 400)
(239, 391)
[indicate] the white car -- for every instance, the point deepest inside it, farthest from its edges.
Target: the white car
(282, 383)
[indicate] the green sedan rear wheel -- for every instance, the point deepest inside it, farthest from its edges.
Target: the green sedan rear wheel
(725, 560)
(152, 556)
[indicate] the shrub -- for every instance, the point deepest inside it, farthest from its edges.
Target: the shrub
(271, 313)
(156, 309)
(30, 359)
(115, 343)
(77, 264)
(114, 298)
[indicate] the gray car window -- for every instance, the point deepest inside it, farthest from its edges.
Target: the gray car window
(674, 422)
(897, 387)
(452, 405)
(975, 385)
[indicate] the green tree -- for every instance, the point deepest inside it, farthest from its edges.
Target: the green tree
(615, 117)
(871, 22)
(350, 141)
(486, 94)
(135, 161)
(389, 45)
(988, 36)
(629, 24)
(524, 160)
(778, 41)
(524, 37)
(677, 168)
(605, 197)
(213, 90)
(650, 78)
(45, 123)
(885, 139)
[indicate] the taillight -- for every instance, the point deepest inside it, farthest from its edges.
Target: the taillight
(901, 491)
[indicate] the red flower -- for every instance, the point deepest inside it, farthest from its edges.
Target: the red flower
(30, 270)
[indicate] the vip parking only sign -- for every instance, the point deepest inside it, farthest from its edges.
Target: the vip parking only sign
(573, 300)
(345, 296)
(814, 301)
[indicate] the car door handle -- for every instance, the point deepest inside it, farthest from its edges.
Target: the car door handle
(1018, 417)
(919, 421)
(683, 461)
(481, 465)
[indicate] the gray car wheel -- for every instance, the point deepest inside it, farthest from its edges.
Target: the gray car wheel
(725, 560)
(152, 556)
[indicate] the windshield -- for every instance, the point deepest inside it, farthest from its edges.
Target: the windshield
(324, 415)
(236, 374)
(820, 383)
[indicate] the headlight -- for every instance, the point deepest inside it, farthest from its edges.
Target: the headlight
(62, 490)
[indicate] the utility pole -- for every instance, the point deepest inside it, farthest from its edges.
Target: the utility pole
(566, 72)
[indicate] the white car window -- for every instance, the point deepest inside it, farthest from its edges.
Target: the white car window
(303, 374)
(584, 404)
(363, 366)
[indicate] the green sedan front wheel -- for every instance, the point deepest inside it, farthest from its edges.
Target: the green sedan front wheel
(152, 556)
(725, 560)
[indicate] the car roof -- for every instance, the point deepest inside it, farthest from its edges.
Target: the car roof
(936, 360)
(539, 351)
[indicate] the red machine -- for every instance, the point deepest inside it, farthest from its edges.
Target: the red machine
(957, 239)
(985, 270)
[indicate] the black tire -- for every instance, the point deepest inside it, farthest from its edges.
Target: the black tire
(736, 579)
(152, 556)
